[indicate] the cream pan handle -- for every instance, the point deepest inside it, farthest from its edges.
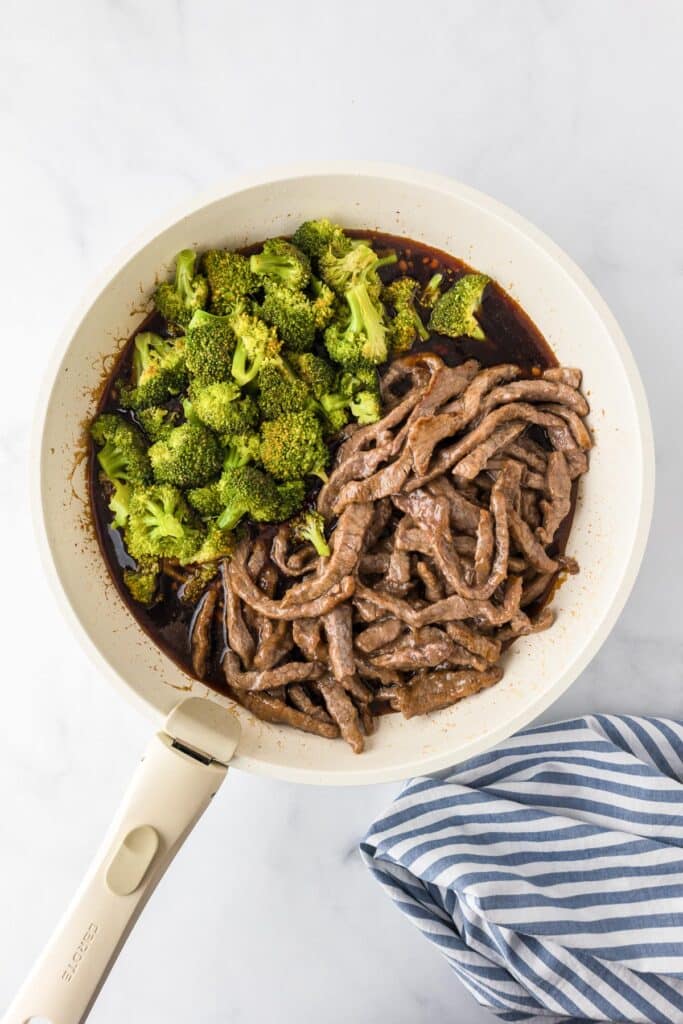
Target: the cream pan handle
(182, 768)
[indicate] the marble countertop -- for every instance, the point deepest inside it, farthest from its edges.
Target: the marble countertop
(111, 112)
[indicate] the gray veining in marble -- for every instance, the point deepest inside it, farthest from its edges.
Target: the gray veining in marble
(111, 111)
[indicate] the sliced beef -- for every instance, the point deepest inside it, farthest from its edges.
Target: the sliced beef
(431, 691)
(558, 488)
(379, 634)
(200, 632)
(343, 711)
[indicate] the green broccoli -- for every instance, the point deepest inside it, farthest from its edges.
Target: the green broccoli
(281, 391)
(247, 491)
(119, 503)
(323, 301)
(310, 526)
(230, 279)
(189, 456)
(142, 582)
(159, 371)
(283, 262)
(206, 500)
(314, 236)
(157, 421)
(218, 543)
(344, 264)
(454, 313)
(406, 327)
(364, 335)
(189, 291)
(241, 449)
(257, 345)
(315, 371)
(210, 345)
(222, 408)
(195, 585)
(292, 446)
(160, 523)
(291, 494)
(292, 314)
(431, 291)
(122, 455)
(361, 386)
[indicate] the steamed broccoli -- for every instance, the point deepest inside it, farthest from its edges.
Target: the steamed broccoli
(314, 236)
(188, 292)
(324, 303)
(206, 500)
(189, 456)
(311, 526)
(221, 407)
(361, 386)
(160, 523)
(281, 391)
(157, 421)
(292, 446)
(241, 449)
(316, 372)
(218, 543)
(431, 291)
(364, 335)
(122, 455)
(406, 327)
(247, 491)
(210, 345)
(292, 314)
(282, 262)
(142, 582)
(195, 585)
(454, 313)
(230, 279)
(257, 345)
(159, 371)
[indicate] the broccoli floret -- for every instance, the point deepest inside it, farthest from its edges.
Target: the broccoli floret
(454, 313)
(221, 407)
(316, 372)
(257, 345)
(119, 503)
(142, 582)
(314, 236)
(247, 491)
(159, 371)
(281, 391)
(292, 314)
(406, 327)
(122, 455)
(157, 421)
(189, 456)
(291, 494)
(364, 336)
(431, 291)
(311, 526)
(210, 345)
(206, 500)
(195, 585)
(230, 279)
(361, 386)
(282, 262)
(292, 446)
(161, 523)
(324, 303)
(241, 449)
(188, 292)
(343, 264)
(218, 543)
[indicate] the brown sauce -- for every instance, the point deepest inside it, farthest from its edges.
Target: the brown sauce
(511, 337)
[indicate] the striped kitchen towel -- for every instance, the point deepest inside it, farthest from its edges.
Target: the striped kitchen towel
(549, 871)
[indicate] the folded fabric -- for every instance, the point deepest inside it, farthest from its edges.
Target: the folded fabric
(549, 871)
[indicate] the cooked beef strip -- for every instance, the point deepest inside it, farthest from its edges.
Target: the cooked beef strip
(529, 544)
(307, 635)
(474, 462)
(298, 562)
(421, 648)
(386, 676)
(237, 633)
(433, 586)
(483, 555)
(292, 672)
(483, 646)
(431, 691)
(525, 450)
(577, 428)
(536, 391)
(200, 631)
(374, 564)
(303, 702)
(378, 635)
(522, 625)
(358, 466)
(273, 645)
(380, 485)
(380, 518)
(453, 607)
(338, 629)
(528, 508)
(257, 558)
(577, 462)
(565, 375)
(269, 709)
(558, 487)
(343, 711)
(464, 513)
(536, 588)
(367, 720)
(346, 544)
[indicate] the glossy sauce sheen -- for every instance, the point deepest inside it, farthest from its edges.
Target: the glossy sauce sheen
(511, 337)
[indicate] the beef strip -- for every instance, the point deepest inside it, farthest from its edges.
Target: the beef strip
(301, 700)
(307, 635)
(483, 555)
(380, 485)
(292, 672)
(565, 375)
(433, 586)
(536, 391)
(379, 634)
(270, 709)
(343, 711)
(421, 648)
(237, 633)
(431, 691)
(558, 487)
(529, 544)
(359, 466)
(200, 632)
(298, 562)
(274, 644)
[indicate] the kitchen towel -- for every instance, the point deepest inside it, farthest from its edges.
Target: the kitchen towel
(549, 871)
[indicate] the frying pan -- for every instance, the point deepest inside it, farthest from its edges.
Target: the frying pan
(188, 756)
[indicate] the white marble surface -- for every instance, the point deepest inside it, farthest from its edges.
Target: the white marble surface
(110, 112)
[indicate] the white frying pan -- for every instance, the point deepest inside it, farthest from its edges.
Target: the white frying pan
(187, 759)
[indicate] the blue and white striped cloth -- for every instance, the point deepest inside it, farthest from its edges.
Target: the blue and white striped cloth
(549, 871)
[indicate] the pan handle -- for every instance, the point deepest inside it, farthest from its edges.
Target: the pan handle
(182, 768)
